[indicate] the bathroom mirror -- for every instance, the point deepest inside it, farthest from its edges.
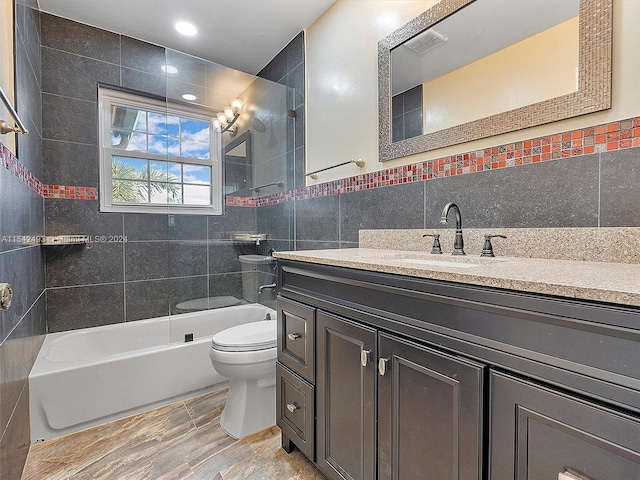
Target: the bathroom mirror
(237, 166)
(470, 69)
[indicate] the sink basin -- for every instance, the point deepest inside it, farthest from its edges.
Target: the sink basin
(437, 263)
(444, 261)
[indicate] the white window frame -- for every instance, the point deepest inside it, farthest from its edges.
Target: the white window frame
(107, 98)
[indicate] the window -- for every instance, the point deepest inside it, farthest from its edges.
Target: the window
(157, 158)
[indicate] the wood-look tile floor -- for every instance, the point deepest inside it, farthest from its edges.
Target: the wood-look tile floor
(183, 440)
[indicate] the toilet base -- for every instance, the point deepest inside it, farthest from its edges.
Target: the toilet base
(251, 406)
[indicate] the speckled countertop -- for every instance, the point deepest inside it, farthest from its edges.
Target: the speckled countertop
(601, 281)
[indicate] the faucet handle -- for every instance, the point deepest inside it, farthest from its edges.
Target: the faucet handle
(487, 248)
(435, 248)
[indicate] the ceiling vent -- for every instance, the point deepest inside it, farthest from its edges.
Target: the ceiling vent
(425, 41)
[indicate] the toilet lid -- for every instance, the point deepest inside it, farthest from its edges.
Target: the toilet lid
(246, 337)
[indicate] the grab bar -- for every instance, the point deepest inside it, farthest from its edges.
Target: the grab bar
(4, 126)
(359, 162)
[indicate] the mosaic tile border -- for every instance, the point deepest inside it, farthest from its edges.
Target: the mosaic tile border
(11, 163)
(70, 192)
(597, 139)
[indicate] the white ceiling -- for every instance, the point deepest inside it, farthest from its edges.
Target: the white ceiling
(241, 34)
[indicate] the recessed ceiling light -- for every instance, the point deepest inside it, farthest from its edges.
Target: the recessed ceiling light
(186, 28)
(169, 69)
(189, 96)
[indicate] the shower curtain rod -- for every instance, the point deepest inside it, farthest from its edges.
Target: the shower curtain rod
(4, 126)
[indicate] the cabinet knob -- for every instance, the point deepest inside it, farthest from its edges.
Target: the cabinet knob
(382, 366)
(293, 336)
(292, 407)
(568, 476)
(364, 357)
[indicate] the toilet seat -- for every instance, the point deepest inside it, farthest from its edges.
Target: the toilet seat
(247, 337)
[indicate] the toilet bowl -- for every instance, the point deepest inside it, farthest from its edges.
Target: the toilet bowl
(246, 355)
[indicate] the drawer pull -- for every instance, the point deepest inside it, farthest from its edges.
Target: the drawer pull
(294, 336)
(382, 366)
(364, 357)
(568, 476)
(292, 407)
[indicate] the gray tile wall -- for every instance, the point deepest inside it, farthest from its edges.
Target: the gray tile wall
(587, 191)
(22, 327)
(287, 68)
(166, 259)
(406, 113)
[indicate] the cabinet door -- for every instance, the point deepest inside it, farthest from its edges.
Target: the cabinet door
(296, 328)
(345, 398)
(538, 433)
(429, 413)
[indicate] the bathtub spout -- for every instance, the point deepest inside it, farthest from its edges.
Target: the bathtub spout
(263, 287)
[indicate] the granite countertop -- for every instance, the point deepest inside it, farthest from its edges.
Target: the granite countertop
(601, 281)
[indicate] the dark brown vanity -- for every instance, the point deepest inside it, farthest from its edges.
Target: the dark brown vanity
(389, 376)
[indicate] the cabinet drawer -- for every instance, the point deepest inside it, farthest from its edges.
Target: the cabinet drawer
(296, 408)
(296, 343)
(537, 433)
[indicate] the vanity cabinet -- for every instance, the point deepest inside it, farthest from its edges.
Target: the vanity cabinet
(417, 378)
(539, 432)
(418, 393)
(346, 398)
(430, 412)
(295, 373)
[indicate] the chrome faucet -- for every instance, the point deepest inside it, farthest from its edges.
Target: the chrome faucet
(458, 242)
(263, 287)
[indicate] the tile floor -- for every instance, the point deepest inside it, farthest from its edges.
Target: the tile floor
(183, 440)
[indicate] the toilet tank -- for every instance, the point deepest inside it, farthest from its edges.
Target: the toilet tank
(256, 270)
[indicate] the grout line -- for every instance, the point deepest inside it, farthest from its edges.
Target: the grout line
(599, 186)
(424, 204)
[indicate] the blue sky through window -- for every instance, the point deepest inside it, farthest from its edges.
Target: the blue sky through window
(160, 158)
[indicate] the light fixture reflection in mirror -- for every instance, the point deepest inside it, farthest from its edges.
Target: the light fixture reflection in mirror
(476, 83)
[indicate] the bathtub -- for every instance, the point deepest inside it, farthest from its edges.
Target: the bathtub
(84, 378)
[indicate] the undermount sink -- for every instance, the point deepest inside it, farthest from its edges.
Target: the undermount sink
(441, 261)
(437, 263)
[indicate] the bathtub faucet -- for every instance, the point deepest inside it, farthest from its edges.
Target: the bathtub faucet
(262, 287)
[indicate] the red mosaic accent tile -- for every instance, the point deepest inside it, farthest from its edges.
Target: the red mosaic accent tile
(9, 161)
(599, 138)
(69, 192)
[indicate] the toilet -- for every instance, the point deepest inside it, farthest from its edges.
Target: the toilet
(246, 355)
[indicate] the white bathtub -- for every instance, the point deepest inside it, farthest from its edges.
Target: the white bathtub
(83, 378)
